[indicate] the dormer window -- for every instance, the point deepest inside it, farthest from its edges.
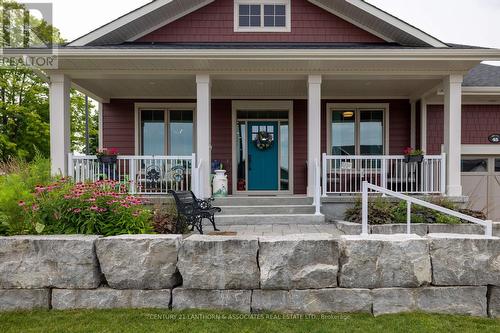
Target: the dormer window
(262, 16)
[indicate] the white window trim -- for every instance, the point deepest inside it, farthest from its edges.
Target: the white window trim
(334, 106)
(262, 28)
(166, 107)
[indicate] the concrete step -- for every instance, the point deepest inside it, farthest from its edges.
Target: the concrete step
(262, 201)
(269, 219)
(266, 210)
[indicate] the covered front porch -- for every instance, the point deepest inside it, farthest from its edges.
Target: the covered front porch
(332, 123)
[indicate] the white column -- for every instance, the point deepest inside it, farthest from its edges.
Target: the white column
(59, 99)
(423, 125)
(203, 137)
(313, 129)
(453, 132)
(413, 125)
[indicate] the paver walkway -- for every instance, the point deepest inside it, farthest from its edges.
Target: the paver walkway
(280, 229)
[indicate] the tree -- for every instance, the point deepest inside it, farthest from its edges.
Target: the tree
(24, 96)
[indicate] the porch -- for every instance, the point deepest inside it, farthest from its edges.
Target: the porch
(340, 175)
(360, 113)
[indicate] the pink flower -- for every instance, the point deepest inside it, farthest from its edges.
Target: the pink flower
(94, 208)
(35, 208)
(77, 210)
(21, 204)
(408, 150)
(136, 214)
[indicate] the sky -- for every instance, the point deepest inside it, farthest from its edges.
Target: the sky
(471, 22)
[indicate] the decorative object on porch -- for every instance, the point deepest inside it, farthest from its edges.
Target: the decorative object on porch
(494, 138)
(177, 173)
(107, 155)
(413, 155)
(193, 211)
(219, 184)
(242, 184)
(264, 140)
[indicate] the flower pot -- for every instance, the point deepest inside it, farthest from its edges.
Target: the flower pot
(107, 159)
(220, 184)
(414, 158)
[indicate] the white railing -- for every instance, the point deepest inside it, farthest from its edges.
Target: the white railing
(142, 174)
(488, 225)
(317, 187)
(346, 174)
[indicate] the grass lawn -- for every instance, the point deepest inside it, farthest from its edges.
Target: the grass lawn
(137, 321)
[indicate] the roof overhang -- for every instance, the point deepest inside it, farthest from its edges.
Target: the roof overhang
(109, 72)
(379, 22)
(158, 13)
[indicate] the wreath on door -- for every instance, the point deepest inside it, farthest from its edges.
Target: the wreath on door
(264, 140)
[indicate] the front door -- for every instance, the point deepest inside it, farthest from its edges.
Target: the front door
(263, 152)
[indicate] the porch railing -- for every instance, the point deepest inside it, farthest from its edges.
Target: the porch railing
(366, 187)
(143, 174)
(345, 174)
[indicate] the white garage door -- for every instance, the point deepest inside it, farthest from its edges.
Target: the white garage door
(481, 182)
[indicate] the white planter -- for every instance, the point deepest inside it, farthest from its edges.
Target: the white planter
(219, 184)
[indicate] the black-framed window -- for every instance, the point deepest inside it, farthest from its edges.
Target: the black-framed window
(153, 132)
(357, 131)
(262, 16)
(275, 15)
(180, 133)
(161, 127)
(249, 15)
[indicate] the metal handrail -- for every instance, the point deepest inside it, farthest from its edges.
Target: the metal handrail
(488, 225)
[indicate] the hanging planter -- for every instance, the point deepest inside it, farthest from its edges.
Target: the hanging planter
(107, 156)
(264, 140)
(413, 155)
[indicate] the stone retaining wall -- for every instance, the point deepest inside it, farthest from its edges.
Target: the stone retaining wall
(313, 273)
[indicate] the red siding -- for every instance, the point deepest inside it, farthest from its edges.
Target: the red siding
(222, 136)
(214, 23)
(118, 126)
(300, 146)
(478, 122)
(118, 118)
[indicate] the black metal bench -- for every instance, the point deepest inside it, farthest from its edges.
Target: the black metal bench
(193, 210)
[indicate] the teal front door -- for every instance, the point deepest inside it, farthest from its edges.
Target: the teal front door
(263, 150)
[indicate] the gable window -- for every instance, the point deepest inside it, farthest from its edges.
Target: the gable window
(262, 15)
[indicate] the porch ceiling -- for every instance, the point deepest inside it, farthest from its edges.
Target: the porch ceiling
(265, 87)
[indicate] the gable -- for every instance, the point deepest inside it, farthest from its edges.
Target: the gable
(368, 24)
(214, 23)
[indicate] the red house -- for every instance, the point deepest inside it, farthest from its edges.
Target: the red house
(290, 97)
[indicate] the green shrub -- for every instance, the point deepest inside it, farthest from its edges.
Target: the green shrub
(16, 184)
(100, 208)
(380, 211)
(165, 219)
(383, 211)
